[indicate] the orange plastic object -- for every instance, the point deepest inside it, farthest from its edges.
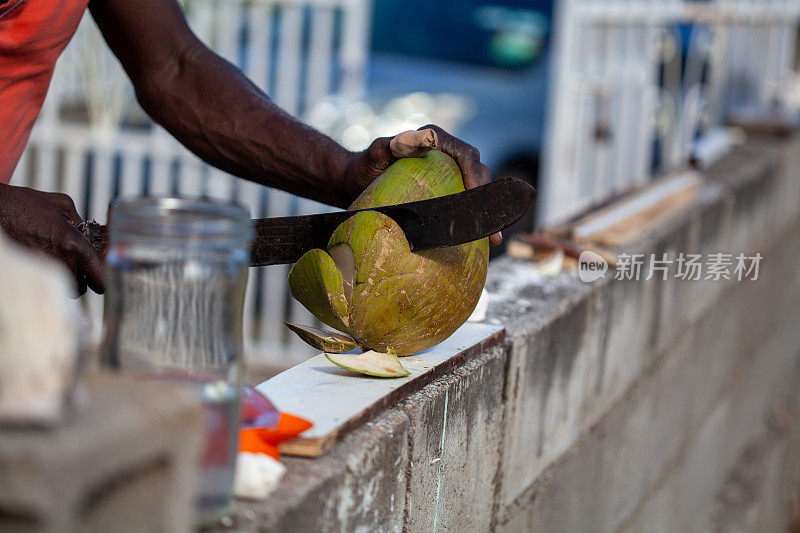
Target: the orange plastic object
(266, 440)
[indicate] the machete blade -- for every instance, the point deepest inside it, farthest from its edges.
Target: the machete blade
(439, 222)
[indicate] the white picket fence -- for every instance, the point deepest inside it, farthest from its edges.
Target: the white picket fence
(613, 124)
(618, 86)
(298, 51)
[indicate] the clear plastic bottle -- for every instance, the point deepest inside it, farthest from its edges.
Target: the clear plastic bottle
(175, 280)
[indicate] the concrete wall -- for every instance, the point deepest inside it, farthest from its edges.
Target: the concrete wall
(617, 405)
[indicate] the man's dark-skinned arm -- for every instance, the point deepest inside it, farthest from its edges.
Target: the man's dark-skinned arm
(211, 107)
(215, 111)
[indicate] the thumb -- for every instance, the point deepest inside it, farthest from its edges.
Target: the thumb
(384, 151)
(413, 143)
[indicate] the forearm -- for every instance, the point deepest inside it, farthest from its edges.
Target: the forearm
(216, 112)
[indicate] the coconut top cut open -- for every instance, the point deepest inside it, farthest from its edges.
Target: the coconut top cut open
(371, 363)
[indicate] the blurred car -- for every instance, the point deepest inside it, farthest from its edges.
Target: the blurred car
(479, 70)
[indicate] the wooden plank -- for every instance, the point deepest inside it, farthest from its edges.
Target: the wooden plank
(338, 401)
(636, 214)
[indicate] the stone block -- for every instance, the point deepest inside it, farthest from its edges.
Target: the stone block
(673, 294)
(715, 211)
(713, 356)
(787, 194)
(601, 479)
(126, 460)
(455, 429)
(554, 382)
(633, 319)
(709, 234)
(684, 498)
(749, 220)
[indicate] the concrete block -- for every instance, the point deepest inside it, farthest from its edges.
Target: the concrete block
(685, 497)
(360, 485)
(519, 523)
(739, 326)
(713, 356)
(748, 222)
(749, 174)
(126, 460)
(554, 389)
(708, 234)
(603, 478)
(674, 293)
(770, 224)
(787, 195)
(632, 308)
(755, 495)
(591, 364)
(670, 506)
(455, 430)
(774, 297)
(600, 480)
(716, 213)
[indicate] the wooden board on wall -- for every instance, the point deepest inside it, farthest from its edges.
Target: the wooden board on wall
(625, 220)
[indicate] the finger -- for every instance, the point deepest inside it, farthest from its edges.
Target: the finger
(85, 261)
(486, 177)
(466, 156)
(91, 268)
(469, 161)
(71, 263)
(66, 206)
(486, 174)
(81, 283)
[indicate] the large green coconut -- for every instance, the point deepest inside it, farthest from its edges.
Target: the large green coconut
(371, 286)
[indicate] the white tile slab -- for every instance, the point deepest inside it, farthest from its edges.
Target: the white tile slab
(337, 401)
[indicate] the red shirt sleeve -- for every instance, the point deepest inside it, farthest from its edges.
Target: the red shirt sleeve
(33, 33)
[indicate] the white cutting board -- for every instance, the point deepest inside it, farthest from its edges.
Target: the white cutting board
(337, 401)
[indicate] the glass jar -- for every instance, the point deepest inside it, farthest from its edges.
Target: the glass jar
(176, 272)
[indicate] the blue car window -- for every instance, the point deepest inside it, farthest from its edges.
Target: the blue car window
(504, 33)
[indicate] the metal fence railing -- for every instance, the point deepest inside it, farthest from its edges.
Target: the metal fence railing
(635, 82)
(94, 143)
